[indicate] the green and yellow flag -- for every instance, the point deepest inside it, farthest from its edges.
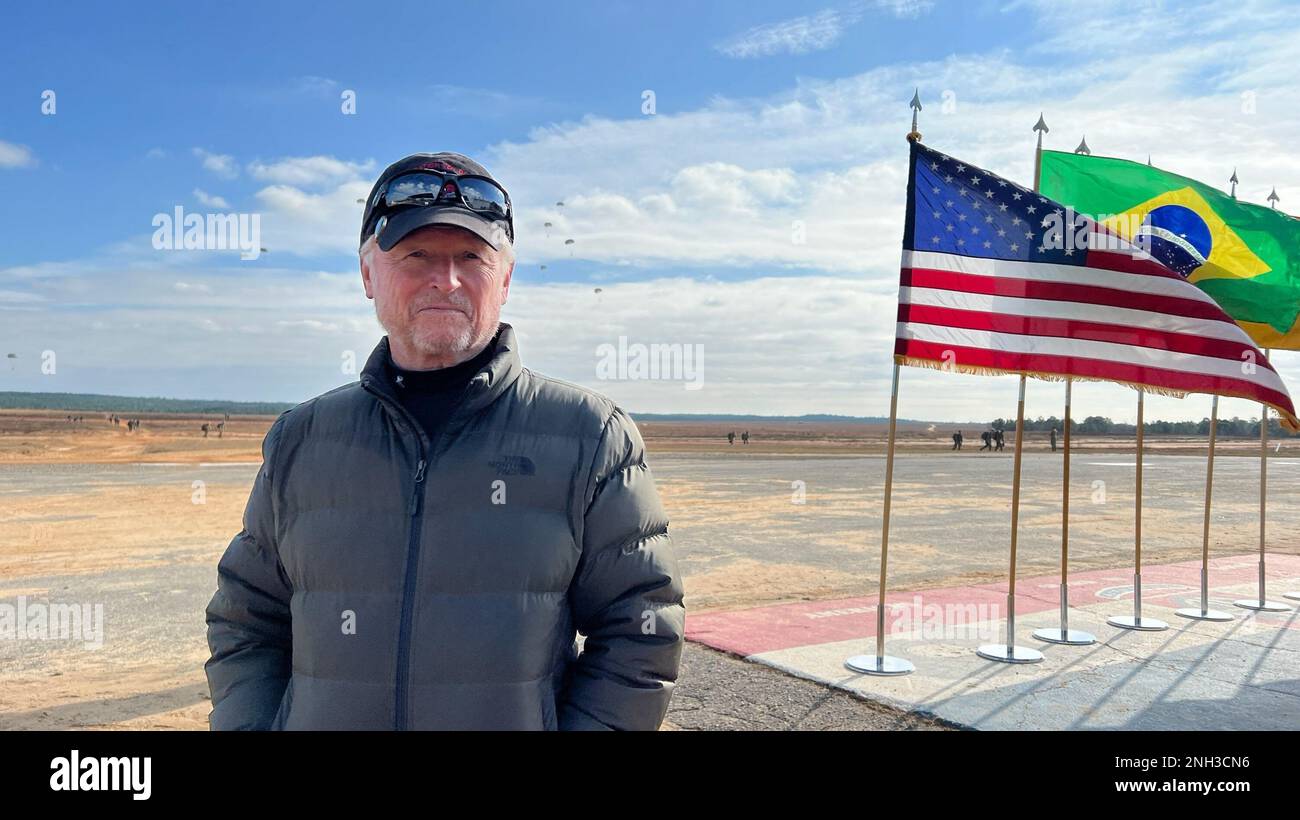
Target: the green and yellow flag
(1245, 257)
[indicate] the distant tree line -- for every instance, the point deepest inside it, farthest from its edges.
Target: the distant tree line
(1102, 426)
(92, 402)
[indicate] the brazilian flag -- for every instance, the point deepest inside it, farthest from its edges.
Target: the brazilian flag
(1245, 257)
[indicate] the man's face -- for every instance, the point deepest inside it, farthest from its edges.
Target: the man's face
(438, 293)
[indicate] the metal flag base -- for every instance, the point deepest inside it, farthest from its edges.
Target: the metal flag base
(1073, 637)
(879, 665)
(1137, 622)
(1204, 613)
(1198, 614)
(1261, 606)
(1063, 634)
(1009, 654)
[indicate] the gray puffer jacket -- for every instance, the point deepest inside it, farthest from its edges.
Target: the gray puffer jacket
(385, 581)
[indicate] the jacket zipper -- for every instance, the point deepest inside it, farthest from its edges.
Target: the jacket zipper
(415, 512)
(415, 509)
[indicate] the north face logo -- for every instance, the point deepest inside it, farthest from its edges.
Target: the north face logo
(513, 465)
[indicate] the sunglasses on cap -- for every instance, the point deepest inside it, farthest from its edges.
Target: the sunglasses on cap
(424, 188)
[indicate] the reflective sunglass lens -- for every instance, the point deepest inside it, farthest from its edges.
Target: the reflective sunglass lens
(482, 195)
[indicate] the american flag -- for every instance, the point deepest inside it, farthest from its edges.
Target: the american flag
(999, 279)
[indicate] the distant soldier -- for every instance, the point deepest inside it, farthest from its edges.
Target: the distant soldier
(744, 437)
(1053, 439)
(221, 426)
(204, 428)
(997, 436)
(988, 440)
(731, 437)
(956, 440)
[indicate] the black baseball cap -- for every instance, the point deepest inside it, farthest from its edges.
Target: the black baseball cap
(402, 221)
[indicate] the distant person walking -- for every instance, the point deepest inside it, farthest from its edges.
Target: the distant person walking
(998, 437)
(204, 428)
(1053, 439)
(744, 437)
(731, 437)
(956, 440)
(988, 440)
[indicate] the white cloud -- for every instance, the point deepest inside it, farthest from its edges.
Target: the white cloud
(309, 172)
(798, 35)
(13, 155)
(209, 200)
(905, 8)
(814, 32)
(771, 345)
(307, 223)
(223, 165)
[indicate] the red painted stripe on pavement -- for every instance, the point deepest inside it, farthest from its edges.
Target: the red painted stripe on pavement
(808, 623)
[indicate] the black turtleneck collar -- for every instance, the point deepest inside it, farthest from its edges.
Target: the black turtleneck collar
(444, 378)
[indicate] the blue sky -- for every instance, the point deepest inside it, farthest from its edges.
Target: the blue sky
(765, 114)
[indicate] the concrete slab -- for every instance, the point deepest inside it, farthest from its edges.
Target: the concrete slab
(1241, 674)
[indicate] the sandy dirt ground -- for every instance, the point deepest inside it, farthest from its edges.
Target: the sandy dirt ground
(137, 521)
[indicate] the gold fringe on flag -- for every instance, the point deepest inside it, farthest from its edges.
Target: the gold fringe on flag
(1288, 421)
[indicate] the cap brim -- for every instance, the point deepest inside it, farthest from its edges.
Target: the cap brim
(401, 224)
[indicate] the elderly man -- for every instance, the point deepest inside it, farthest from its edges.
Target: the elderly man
(421, 547)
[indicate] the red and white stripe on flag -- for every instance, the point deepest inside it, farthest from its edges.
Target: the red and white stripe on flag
(1119, 317)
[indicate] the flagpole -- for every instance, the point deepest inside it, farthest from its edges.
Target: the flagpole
(1262, 604)
(1010, 653)
(1062, 635)
(1204, 613)
(1136, 621)
(880, 663)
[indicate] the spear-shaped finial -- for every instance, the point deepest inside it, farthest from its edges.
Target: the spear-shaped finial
(1233, 180)
(1083, 148)
(1040, 128)
(1148, 160)
(914, 135)
(1273, 198)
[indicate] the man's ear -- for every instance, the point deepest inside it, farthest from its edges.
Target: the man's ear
(365, 276)
(505, 284)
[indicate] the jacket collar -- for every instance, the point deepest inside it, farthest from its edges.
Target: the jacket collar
(488, 384)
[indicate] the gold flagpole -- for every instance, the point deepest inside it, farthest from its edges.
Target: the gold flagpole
(880, 663)
(1262, 604)
(1010, 653)
(1136, 621)
(1062, 635)
(1204, 613)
